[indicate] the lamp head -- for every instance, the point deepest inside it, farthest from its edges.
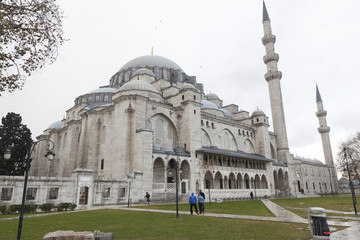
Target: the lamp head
(7, 154)
(50, 155)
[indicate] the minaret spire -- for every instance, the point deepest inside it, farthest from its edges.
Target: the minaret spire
(265, 13)
(273, 77)
(324, 130)
(318, 96)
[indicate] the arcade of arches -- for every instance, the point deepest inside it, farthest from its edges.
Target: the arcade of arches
(229, 172)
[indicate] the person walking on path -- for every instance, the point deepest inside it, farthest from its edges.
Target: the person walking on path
(192, 201)
(203, 194)
(147, 196)
(201, 204)
(252, 195)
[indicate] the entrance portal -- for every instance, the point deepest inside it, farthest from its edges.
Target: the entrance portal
(84, 195)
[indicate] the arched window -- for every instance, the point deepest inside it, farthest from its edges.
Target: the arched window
(159, 130)
(103, 134)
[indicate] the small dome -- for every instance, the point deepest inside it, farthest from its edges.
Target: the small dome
(208, 105)
(258, 113)
(143, 71)
(138, 85)
(226, 112)
(187, 86)
(104, 90)
(151, 61)
(212, 96)
(55, 125)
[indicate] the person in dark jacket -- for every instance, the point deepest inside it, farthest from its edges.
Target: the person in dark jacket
(202, 194)
(147, 196)
(192, 201)
(201, 203)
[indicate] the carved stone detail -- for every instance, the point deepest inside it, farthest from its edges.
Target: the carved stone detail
(320, 113)
(323, 129)
(273, 75)
(268, 39)
(271, 57)
(130, 109)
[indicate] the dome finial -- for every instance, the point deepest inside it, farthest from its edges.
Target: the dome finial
(152, 51)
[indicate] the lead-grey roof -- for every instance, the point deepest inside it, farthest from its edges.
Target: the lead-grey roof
(233, 154)
(143, 71)
(151, 61)
(212, 96)
(138, 85)
(313, 161)
(205, 104)
(55, 125)
(104, 90)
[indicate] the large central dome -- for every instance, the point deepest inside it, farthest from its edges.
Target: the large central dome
(151, 61)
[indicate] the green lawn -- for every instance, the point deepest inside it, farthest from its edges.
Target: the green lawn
(144, 225)
(252, 208)
(299, 206)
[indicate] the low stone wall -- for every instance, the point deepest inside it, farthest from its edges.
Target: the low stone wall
(71, 235)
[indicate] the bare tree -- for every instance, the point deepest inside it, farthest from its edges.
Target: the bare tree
(30, 33)
(352, 145)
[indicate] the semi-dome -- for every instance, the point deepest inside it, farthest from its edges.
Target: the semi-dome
(226, 112)
(143, 71)
(205, 104)
(212, 96)
(138, 85)
(151, 61)
(257, 113)
(187, 86)
(104, 90)
(56, 125)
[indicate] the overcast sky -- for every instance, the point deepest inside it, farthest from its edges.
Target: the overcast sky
(219, 42)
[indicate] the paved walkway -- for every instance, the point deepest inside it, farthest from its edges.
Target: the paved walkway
(352, 232)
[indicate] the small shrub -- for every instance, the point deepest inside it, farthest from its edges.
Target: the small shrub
(3, 209)
(14, 208)
(73, 206)
(47, 207)
(65, 206)
(59, 207)
(29, 208)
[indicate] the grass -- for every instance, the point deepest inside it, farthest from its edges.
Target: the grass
(300, 206)
(252, 208)
(145, 225)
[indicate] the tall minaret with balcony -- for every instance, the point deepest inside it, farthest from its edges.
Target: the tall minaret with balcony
(324, 130)
(273, 77)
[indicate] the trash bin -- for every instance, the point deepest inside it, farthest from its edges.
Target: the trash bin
(318, 225)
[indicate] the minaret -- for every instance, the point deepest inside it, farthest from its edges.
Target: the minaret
(324, 130)
(273, 77)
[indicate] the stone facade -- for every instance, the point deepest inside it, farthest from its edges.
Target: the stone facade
(153, 121)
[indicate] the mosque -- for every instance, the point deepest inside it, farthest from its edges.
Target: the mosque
(153, 129)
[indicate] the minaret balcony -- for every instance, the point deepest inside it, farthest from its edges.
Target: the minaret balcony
(273, 75)
(271, 57)
(268, 39)
(321, 113)
(323, 129)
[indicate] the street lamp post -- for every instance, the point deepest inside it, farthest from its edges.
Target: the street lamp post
(129, 193)
(49, 155)
(294, 183)
(177, 171)
(332, 191)
(350, 182)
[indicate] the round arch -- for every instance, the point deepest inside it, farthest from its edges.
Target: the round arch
(232, 184)
(205, 138)
(218, 184)
(208, 180)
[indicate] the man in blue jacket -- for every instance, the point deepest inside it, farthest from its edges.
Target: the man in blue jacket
(192, 201)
